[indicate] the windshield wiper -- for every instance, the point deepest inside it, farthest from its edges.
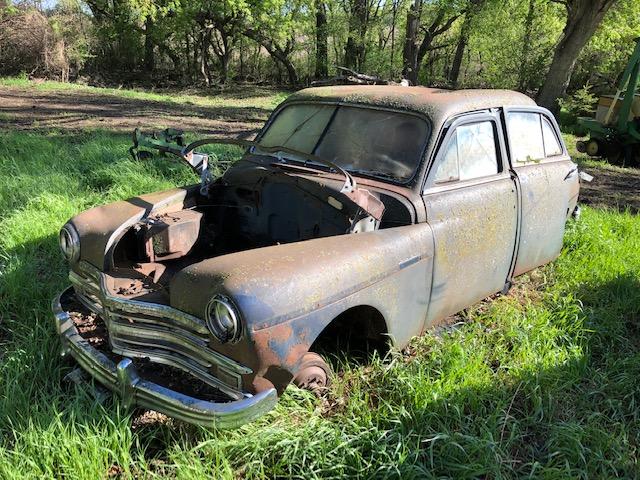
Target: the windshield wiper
(374, 173)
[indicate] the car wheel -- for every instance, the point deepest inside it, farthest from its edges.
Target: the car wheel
(314, 373)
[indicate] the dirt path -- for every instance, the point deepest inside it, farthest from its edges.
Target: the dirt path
(29, 109)
(612, 187)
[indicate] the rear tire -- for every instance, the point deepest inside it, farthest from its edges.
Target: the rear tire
(615, 156)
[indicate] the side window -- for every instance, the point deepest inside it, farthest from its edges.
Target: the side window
(471, 153)
(532, 137)
(551, 144)
(525, 136)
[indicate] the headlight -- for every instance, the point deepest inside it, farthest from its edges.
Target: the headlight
(70, 243)
(223, 319)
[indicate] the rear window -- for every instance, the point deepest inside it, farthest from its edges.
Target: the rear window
(363, 140)
(532, 137)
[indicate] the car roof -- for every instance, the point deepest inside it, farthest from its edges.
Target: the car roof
(436, 103)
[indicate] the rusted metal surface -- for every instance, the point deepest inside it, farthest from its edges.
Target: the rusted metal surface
(437, 104)
(101, 227)
(171, 235)
(277, 242)
(474, 227)
(123, 378)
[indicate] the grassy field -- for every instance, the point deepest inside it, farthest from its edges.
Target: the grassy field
(542, 382)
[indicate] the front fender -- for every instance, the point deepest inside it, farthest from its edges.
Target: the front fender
(100, 227)
(289, 293)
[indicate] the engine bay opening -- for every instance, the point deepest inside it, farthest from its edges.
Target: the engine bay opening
(249, 208)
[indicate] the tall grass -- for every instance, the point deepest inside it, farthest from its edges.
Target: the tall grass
(542, 382)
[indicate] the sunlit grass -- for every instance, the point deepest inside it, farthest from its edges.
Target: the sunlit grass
(241, 97)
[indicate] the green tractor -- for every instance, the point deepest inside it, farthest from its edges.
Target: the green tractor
(614, 133)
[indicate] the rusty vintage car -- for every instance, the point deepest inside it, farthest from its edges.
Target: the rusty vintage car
(368, 211)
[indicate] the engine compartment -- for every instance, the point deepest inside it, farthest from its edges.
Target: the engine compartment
(250, 207)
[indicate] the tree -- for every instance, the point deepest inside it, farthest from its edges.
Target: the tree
(275, 25)
(583, 18)
(354, 50)
(474, 7)
(322, 40)
(444, 15)
(526, 46)
(218, 21)
(607, 53)
(279, 52)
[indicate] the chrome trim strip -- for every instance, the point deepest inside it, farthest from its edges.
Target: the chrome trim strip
(174, 360)
(189, 346)
(134, 390)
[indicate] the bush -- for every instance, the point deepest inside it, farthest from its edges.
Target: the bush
(49, 45)
(582, 103)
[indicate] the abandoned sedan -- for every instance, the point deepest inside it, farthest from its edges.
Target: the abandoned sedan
(372, 212)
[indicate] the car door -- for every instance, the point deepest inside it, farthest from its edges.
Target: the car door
(471, 203)
(548, 180)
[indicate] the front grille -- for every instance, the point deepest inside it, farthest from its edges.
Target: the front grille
(92, 328)
(160, 334)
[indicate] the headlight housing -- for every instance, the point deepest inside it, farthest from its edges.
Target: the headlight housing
(70, 243)
(223, 319)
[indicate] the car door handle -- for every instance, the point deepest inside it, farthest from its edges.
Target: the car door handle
(572, 173)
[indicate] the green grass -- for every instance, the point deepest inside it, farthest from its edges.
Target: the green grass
(239, 97)
(542, 382)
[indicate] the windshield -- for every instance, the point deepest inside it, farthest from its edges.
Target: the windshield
(361, 140)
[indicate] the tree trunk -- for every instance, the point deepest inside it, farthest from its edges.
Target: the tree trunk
(149, 56)
(322, 42)
(242, 75)
(474, 7)
(222, 47)
(410, 52)
(204, 57)
(278, 53)
(394, 16)
(187, 55)
(454, 73)
(354, 50)
(583, 17)
(197, 43)
(526, 46)
(291, 69)
(224, 67)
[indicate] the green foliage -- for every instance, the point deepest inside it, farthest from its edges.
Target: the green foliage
(582, 103)
(501, 55)
(608, 52)
(509, 44)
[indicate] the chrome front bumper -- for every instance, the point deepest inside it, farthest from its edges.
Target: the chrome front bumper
(123, 379)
